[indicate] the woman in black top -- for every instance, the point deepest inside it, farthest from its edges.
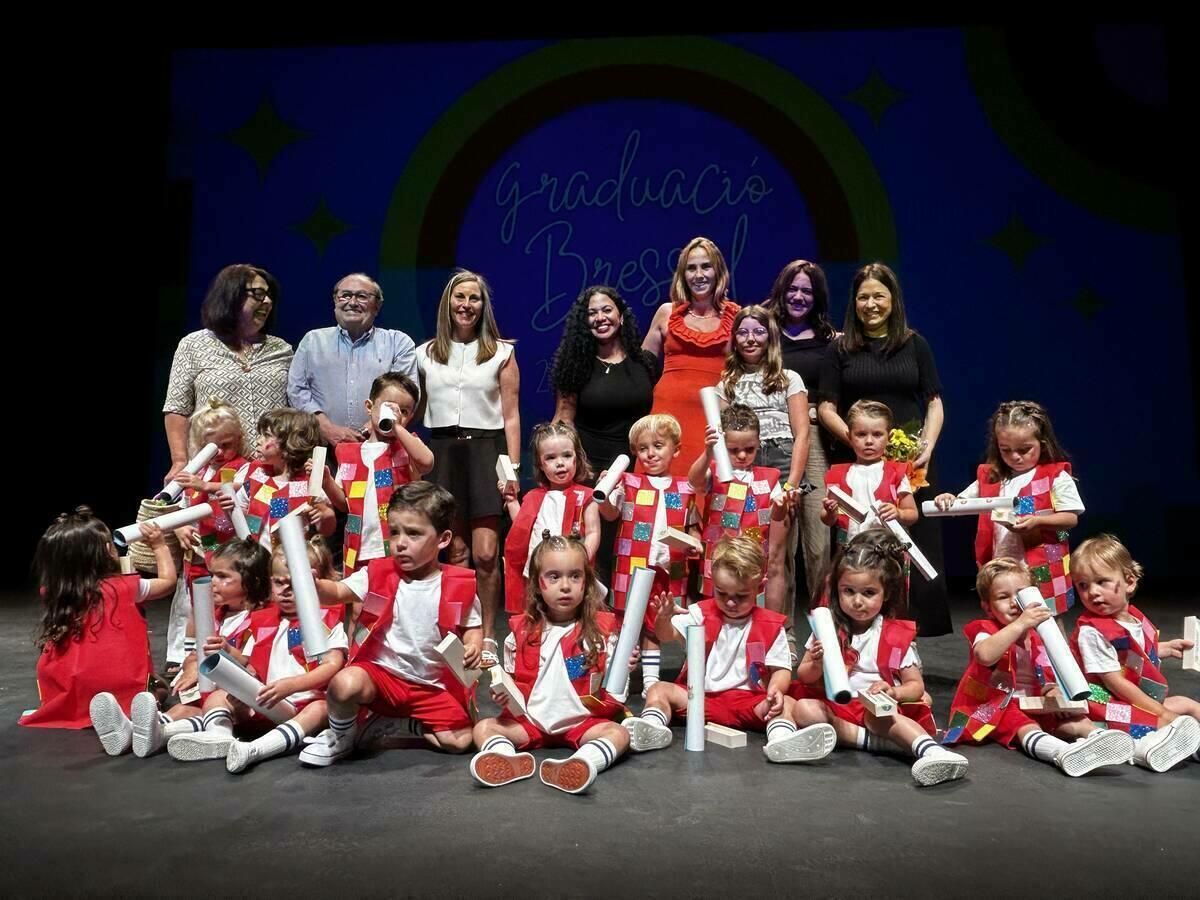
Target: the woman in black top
(603, 383)
(880, 358)
(800, 302)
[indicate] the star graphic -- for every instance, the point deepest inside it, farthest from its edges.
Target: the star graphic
(321, 227)
(1016, 241)
(264, 136)
(1088, 303)
(876, 96)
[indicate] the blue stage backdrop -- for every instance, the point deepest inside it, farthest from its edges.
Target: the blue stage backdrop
(1039, 263)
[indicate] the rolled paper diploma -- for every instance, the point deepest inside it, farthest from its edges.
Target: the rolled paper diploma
(712, 415)
(388, 415)
(1066, 670)
(636, 600)
(240, 526)
(204, 623)
(606, 484)
(308, 607)
(694, 738)
(316, 480)
(837, 685)
(194, 465)
(127, 534)
(223, 671)
(968, 506)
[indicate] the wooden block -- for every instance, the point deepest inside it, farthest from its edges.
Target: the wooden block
(1191, 632)
(126, 563)
(504, 469)
(880, 705)
(451, 649)
(1052, 704)
(316, 480)
(516, 701)
(724, 737)
(849, 505)
(680, 540)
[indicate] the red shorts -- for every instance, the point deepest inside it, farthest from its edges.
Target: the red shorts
(733, 709)
(434, 707)
(538, 739)
(856, 713)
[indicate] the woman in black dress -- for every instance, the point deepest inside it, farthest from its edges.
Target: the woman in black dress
(880, 358)
(603, 383)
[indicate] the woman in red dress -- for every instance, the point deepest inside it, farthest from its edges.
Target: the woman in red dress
(692, 332)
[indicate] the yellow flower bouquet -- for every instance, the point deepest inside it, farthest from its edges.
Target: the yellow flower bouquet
(904, 446)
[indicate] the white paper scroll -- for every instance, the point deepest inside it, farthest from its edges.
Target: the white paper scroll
(837, 685)
(240, 526)
(636, 600)
(1066, 670)
(173, 489)
(388, 416)
(696, 667)
(127, 534)
(308, 607)
(1191, 632)
(968, 506)
(204, 623)
(712, 415)
(605, 486)
(316, 479)
(223, 670)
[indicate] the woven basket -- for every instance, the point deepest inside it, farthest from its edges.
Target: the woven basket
(140, 552)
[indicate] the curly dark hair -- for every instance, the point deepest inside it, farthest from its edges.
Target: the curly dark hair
(222, 306)
(573, 360)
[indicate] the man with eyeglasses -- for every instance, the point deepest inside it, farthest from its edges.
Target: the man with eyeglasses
(332, 371)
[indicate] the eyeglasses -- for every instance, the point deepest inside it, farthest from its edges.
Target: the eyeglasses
(347, 296)
(258, 294)
(751, 332)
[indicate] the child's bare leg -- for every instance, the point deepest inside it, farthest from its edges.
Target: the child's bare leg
(454, 740)
(350, 689)
(652, 729)
(1183, 706)
(498, 762)
(283, 738)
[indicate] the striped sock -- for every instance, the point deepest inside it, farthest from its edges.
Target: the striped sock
(656, 715)
(601, 752)
(280, 739)
(498, 744)
(183, 726)
(1039, 745)
(164, 719)
(865, 740)
(417, 727)
(924, 744)
(342, 727)
(779, 728)
(650, 666)
(218, 720)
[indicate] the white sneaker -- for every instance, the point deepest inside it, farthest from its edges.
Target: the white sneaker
(939, 765)
(492, 769)
(239, 757)
(199, 745)
(1162, 749)
(111, 724)
(1106, 747)
(325, 749)
(646, 735)
(806, 745)
(573, 775)
(148, 737)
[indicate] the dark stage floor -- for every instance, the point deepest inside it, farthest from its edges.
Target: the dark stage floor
(669, 823)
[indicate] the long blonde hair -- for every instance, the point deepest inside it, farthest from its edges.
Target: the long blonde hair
(679, 289)
(771, 366)
(486, 331)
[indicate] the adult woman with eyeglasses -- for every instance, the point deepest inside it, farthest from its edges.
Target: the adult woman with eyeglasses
(232, 358)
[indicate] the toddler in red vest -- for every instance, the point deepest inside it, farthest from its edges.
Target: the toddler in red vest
(1025, 461)
(560, 504)
(408, 603)
(868, 586)
(1119, 649)
(870, 477)
(648, 502)
(1008, 662)
(368, 472)
(747, 664)
(558, 653)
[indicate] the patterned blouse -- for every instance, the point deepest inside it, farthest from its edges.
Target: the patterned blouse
(204, 369)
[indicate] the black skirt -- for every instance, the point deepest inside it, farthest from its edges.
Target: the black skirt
(464, 463)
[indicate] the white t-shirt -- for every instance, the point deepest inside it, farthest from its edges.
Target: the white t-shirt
(1024, 675)
(772, 409)
(865, 671)
(660, 553)
(282, 664)
(726, 668)
(1064, 496)
(1098, 654)
(232, 622)
(463, 392)
(864, 481)
(371, 546)
(549, 517)
(553, 704)
(408, 647)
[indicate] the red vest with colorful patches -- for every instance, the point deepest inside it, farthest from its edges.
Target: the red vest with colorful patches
(587, 680)
(264, 625)
(217, 529)
(737, 508)
(241, 632)
(764, 631)
(888, 491)
(516, 545)
(985, 691)
(389, 471)
(637, 531)
(269, 500)
(1049, 560)
(1139, 665)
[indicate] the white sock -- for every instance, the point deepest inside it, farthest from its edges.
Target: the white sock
(219, 720)
(498, 744)
(182, 726)
(650, 666)
(342, 727)
(656, 715)
(866, 740)
(925, 744)
(280, 739)
(1040, 745)
(779, 728)
(601, 752)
